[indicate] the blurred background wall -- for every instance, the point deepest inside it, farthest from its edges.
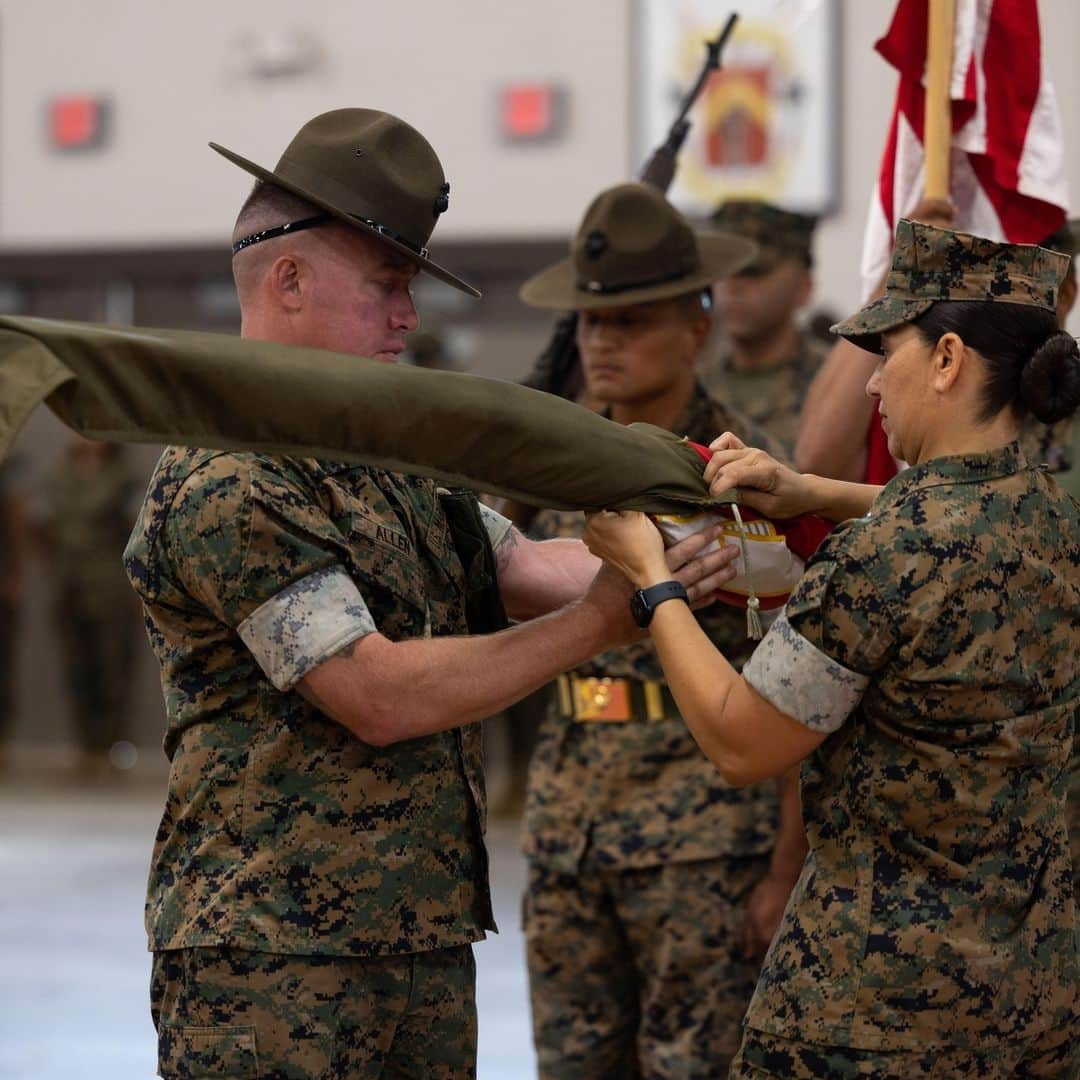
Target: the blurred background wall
(135, 230)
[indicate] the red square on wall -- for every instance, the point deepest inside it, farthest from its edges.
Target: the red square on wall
(530, 111)
(77, 122)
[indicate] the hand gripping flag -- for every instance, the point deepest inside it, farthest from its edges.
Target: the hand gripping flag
(772, 553)
(1007, 162)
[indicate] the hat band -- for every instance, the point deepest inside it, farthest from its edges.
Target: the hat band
(598, 288)
(322, 219)
(281, 230)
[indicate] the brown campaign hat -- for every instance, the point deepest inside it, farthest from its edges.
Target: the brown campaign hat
(633, 246)
(370, 170)
(931, 265)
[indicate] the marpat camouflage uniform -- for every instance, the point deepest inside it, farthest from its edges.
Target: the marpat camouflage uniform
(935, 908)
(773, 398)
(284, 835)
(934, 641)
(640, 861)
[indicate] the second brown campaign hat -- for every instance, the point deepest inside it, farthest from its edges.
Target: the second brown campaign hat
(633, 246)
(371, 170)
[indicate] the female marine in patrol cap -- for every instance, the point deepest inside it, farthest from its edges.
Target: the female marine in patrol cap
(925, 668)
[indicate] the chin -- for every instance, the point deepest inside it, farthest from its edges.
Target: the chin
(605, 389)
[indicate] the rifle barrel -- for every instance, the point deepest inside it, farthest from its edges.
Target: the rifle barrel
(712, 62)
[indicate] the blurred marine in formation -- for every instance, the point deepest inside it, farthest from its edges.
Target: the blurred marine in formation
(13, 527)
(765, 360)
(654, 887)
(89, 495)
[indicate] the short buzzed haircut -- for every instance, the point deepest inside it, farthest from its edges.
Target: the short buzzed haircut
(268, 206)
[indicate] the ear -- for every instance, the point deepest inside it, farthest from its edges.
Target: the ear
(699, 330)
(805, 289)
(947, 361)
(288, 281)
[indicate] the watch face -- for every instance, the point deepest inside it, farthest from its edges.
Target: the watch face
(639, 609)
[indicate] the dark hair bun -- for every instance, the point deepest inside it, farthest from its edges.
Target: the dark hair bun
(1050, 380)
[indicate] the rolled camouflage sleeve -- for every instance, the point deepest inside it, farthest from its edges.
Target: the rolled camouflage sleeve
(305, 624)
(495, 525)
(262, 557)
(820, 655)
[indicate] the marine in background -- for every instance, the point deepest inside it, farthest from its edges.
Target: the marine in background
(764, 360)
(90, 496)
(654, 887)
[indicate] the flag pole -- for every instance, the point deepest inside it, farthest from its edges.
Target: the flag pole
(937, 129)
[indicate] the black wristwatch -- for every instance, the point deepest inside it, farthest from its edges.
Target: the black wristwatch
(645, 601)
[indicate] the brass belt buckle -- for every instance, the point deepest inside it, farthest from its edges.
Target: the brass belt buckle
(603, 700)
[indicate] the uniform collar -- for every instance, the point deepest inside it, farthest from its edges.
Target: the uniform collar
(695, 420)
(955, 469)
(693, 423)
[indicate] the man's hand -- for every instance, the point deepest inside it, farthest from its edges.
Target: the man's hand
(764, 912)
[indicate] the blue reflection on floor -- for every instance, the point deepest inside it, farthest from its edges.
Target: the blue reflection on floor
(73, 965)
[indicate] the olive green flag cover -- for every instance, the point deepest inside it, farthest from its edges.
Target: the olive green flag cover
(198, 389)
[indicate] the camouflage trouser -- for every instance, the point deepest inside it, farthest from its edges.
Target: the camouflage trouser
(637, 973)
(230, 1012)
(1055, 1054)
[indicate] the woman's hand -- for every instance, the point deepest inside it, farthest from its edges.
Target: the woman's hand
(634, 555)
(630, 542)
(762, 482)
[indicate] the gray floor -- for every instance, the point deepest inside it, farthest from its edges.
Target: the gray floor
(73, 966)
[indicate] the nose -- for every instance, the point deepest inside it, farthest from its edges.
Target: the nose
(873, 384)
(404, 316)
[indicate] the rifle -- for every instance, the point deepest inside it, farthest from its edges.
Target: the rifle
(558, 368)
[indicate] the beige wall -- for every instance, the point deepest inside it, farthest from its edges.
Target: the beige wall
(179, 75)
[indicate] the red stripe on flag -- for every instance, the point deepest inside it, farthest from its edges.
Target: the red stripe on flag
(1012, 45)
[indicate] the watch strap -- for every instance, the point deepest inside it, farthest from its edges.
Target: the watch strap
(652, 597)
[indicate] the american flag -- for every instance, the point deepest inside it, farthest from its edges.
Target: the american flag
(1007, 167)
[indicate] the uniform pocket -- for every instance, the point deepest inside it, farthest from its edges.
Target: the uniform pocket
(185, 1053)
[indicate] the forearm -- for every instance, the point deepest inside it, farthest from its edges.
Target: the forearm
(743, 735)
(838, 500)
(547, 575)
(387, 692)
(836, 415)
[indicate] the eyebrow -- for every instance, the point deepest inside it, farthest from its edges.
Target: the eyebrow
(399, 264)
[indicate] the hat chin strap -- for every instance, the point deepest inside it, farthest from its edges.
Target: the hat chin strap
(281, 230)
(323, 219)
